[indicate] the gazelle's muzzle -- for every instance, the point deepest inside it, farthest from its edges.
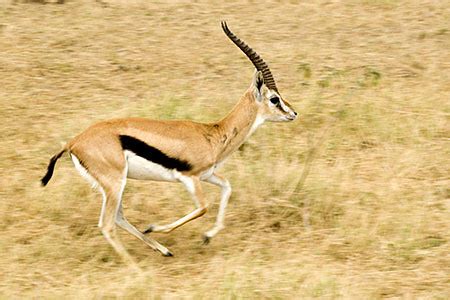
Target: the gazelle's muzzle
(292, 116)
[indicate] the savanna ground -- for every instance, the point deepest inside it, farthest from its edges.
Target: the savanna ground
(349, 201)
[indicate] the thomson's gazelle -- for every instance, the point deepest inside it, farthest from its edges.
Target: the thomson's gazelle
(109, 152)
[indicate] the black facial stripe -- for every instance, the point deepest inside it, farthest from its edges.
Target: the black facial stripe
(152, 154)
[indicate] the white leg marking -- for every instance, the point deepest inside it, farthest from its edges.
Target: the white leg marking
(102, 212)
(190, 186)
(225, 195)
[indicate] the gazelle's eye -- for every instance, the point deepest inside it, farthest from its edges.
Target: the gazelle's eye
(275, 100)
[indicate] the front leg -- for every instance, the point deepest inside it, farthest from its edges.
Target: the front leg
(193, 186)
(225, 195)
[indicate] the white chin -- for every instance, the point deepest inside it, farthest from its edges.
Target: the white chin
(279, 119)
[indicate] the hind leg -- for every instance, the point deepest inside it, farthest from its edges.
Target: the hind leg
(110, 187)
(113, 215)
(124, 224)
(107, 223)
(111, 180)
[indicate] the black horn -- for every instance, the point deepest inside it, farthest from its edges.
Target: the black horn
(254, 57)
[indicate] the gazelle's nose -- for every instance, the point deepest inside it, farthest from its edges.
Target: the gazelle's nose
(292, 116)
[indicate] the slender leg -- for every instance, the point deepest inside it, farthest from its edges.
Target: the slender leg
(111, 189)
(108, 226)
(102, 212)
(225, 195)
(192, 184)
(124, 224)
(83, 172)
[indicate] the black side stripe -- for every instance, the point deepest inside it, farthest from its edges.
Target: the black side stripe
(152, 154)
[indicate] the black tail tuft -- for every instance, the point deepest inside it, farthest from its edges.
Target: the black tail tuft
(50, 168)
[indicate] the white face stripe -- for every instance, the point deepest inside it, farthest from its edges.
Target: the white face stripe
(284, 106)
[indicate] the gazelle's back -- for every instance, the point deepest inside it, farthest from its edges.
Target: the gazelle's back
(190, 142)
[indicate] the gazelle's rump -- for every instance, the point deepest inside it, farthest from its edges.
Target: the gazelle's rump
(84, 172)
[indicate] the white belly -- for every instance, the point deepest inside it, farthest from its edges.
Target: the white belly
(140, 168)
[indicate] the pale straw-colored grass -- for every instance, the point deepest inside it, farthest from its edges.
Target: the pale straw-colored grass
(370, 80)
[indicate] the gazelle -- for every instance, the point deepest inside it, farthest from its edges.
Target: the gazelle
(109, 152)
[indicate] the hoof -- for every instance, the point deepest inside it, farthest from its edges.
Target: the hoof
(149, 229)
(168, 254)
(206, 239)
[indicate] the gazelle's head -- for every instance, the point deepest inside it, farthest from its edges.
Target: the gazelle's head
(271, 106)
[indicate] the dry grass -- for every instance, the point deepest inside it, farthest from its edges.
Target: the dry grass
(371, 220)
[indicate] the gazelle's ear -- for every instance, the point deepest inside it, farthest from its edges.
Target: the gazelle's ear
(258, 81)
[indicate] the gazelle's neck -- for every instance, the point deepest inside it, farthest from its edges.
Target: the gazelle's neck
(237, 126)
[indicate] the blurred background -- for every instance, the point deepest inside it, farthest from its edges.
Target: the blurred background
(349, 201)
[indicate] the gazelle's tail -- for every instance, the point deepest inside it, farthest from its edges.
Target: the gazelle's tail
(51, 167)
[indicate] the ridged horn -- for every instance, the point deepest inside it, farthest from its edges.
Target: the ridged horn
(254, 57)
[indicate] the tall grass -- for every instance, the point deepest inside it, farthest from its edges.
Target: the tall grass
(350, 201)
